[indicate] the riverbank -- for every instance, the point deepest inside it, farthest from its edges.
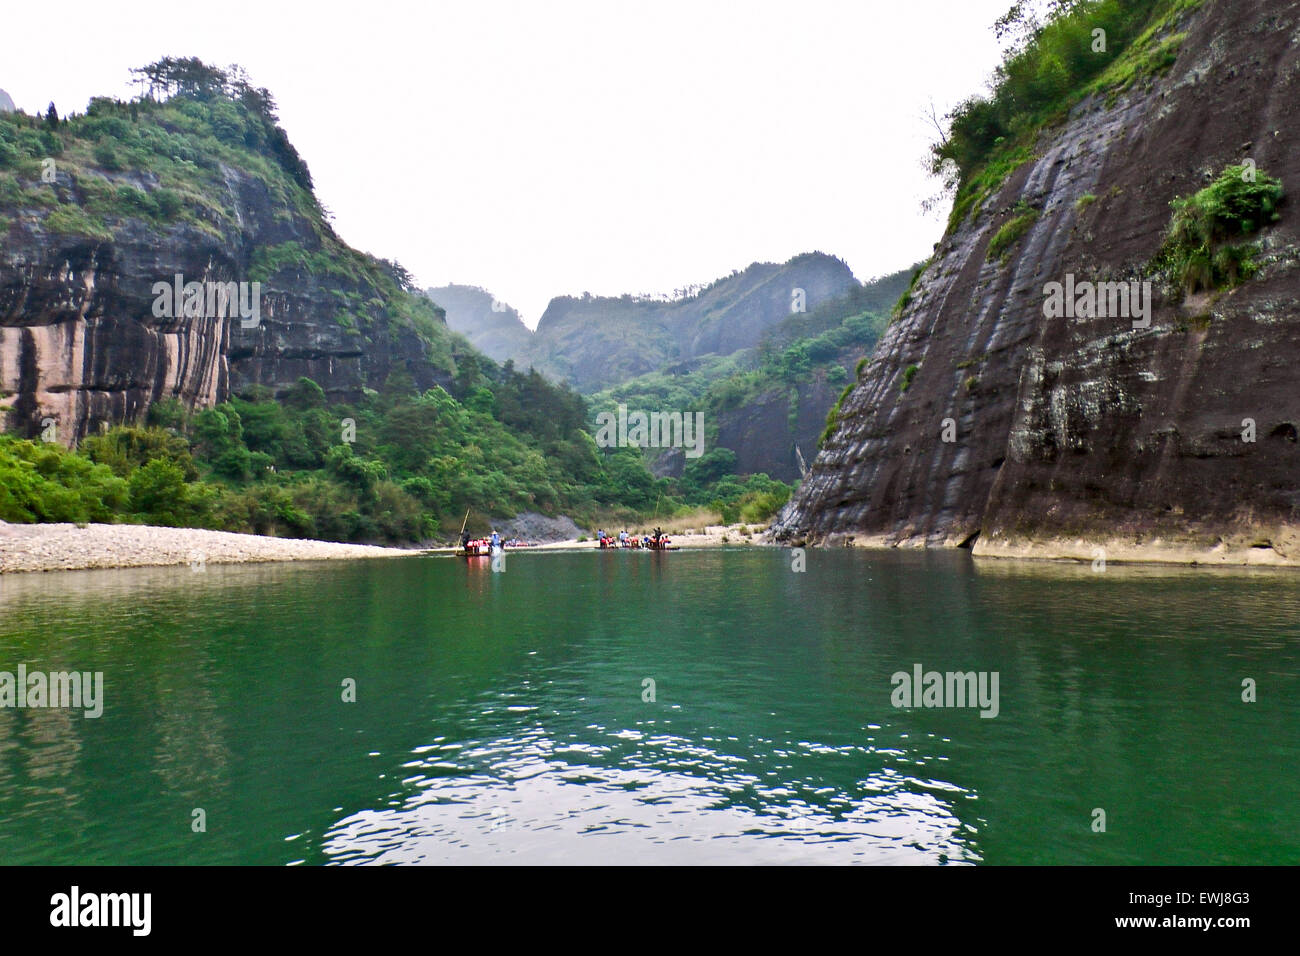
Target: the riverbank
(69, 547)
(710, 536)
(1279, 548)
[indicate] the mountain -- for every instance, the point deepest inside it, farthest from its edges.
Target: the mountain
(194, 345)
(992, 418)
(491, 326)
(594, 341)
(767, 405)
(99, 209)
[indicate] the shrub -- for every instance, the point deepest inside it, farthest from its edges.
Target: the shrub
(1198, 252)
(168, 413)
(106, 156)
(158, 493)
(124, 449)
(763, 505)
(44, 482)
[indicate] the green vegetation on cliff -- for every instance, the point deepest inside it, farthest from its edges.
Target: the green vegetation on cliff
(1082, 48)
(181, 155)
(1199, 250)
(1009, 234)
(160, 160)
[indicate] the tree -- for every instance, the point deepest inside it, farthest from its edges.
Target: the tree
(158, 492)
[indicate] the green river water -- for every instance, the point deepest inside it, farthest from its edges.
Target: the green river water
(501, 717)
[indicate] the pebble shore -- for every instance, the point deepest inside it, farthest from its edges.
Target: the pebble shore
(67, 547)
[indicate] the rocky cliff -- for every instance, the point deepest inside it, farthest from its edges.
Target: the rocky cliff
(770, 434)
(95, 211)
(983, 422)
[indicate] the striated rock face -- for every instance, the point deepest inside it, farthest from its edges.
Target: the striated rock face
(1087, 429)
(80, 346)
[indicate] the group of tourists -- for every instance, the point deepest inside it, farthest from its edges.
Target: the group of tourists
(624, 540)
(472, 545)
(491, 545)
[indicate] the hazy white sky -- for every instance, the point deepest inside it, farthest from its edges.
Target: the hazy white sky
(539, 149)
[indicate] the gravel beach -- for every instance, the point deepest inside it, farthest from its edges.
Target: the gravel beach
(65, 547)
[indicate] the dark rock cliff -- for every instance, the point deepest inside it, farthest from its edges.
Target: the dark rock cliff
(1074, 431)
(768, 434)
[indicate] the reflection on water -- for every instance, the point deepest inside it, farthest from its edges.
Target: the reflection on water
(500, 717)
(656, 798)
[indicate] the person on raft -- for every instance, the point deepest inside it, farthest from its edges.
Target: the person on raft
(496, 541)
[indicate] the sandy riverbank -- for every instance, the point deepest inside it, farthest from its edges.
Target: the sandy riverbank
(711, 536)
(66, 547)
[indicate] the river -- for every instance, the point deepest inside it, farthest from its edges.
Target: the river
(711, 706)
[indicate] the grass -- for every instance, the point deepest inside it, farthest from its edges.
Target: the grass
(1011, 232)
(833, 416)
(1153, 51)
(905, 299)
(909, 373)
(73, 221)
(987, 181)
